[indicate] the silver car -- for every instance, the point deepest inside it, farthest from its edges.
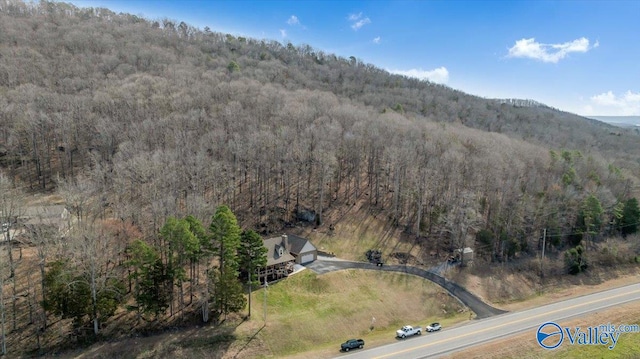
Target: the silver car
(433, 327)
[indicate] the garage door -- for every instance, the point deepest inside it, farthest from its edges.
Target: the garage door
(306, 258)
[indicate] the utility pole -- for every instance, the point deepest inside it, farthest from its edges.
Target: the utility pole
(249, 316)
(544, 244)
(3, 350)
(265, 299)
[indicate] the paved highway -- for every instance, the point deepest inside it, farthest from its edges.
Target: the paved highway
(450, 340)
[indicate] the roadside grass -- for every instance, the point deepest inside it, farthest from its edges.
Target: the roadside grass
(307, 312)
(524, 346)
(628, 347)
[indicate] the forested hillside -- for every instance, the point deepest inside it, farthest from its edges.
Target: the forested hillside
(139, 120)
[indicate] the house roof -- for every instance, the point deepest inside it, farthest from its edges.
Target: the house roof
(52, 215)
(54, 211)
(273, 246)
(297, 244)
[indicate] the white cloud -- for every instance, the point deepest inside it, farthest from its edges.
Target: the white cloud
(632, 97)
(529, 48)
(360, 23)
(355, 17)
(293, 20)
(376, 40)
(606, 99)
(283, 32)
(357, 21)
(439, 75)
(608, 103)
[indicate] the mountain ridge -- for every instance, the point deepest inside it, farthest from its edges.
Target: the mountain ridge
(620, 121)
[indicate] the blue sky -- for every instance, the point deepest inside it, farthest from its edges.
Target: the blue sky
(578, 56)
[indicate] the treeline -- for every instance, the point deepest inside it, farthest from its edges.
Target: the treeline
(166, 120)
(68, 70)
(161, 277)
(172, 120)
(98, 267)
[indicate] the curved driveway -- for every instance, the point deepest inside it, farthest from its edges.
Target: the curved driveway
(482, 309)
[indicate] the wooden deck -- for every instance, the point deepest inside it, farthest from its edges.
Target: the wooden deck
(275, 272)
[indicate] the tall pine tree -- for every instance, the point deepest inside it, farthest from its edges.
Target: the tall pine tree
(630, 217)
(152, 282)
(226, 290)
(252, 256)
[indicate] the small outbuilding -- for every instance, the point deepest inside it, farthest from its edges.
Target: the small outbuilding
(465, 255)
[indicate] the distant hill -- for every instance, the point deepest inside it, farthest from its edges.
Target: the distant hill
(621, 121)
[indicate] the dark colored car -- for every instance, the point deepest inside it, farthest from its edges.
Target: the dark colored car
(352, 344)
(374, 256)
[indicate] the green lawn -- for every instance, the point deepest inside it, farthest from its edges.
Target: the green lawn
(307, 312)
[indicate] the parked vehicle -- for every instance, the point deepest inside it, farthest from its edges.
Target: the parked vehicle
(434, 327)
(408, 331)
(352, 344)
(375, 256)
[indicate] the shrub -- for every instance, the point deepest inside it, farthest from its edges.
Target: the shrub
(574, 258)
(233, 66)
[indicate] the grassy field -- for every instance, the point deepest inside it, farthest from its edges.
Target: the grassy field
(309, 312)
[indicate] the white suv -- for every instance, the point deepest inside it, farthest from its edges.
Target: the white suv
(434, 327)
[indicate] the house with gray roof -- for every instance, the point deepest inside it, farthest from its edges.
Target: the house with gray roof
(283, 252)
(56, 216)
